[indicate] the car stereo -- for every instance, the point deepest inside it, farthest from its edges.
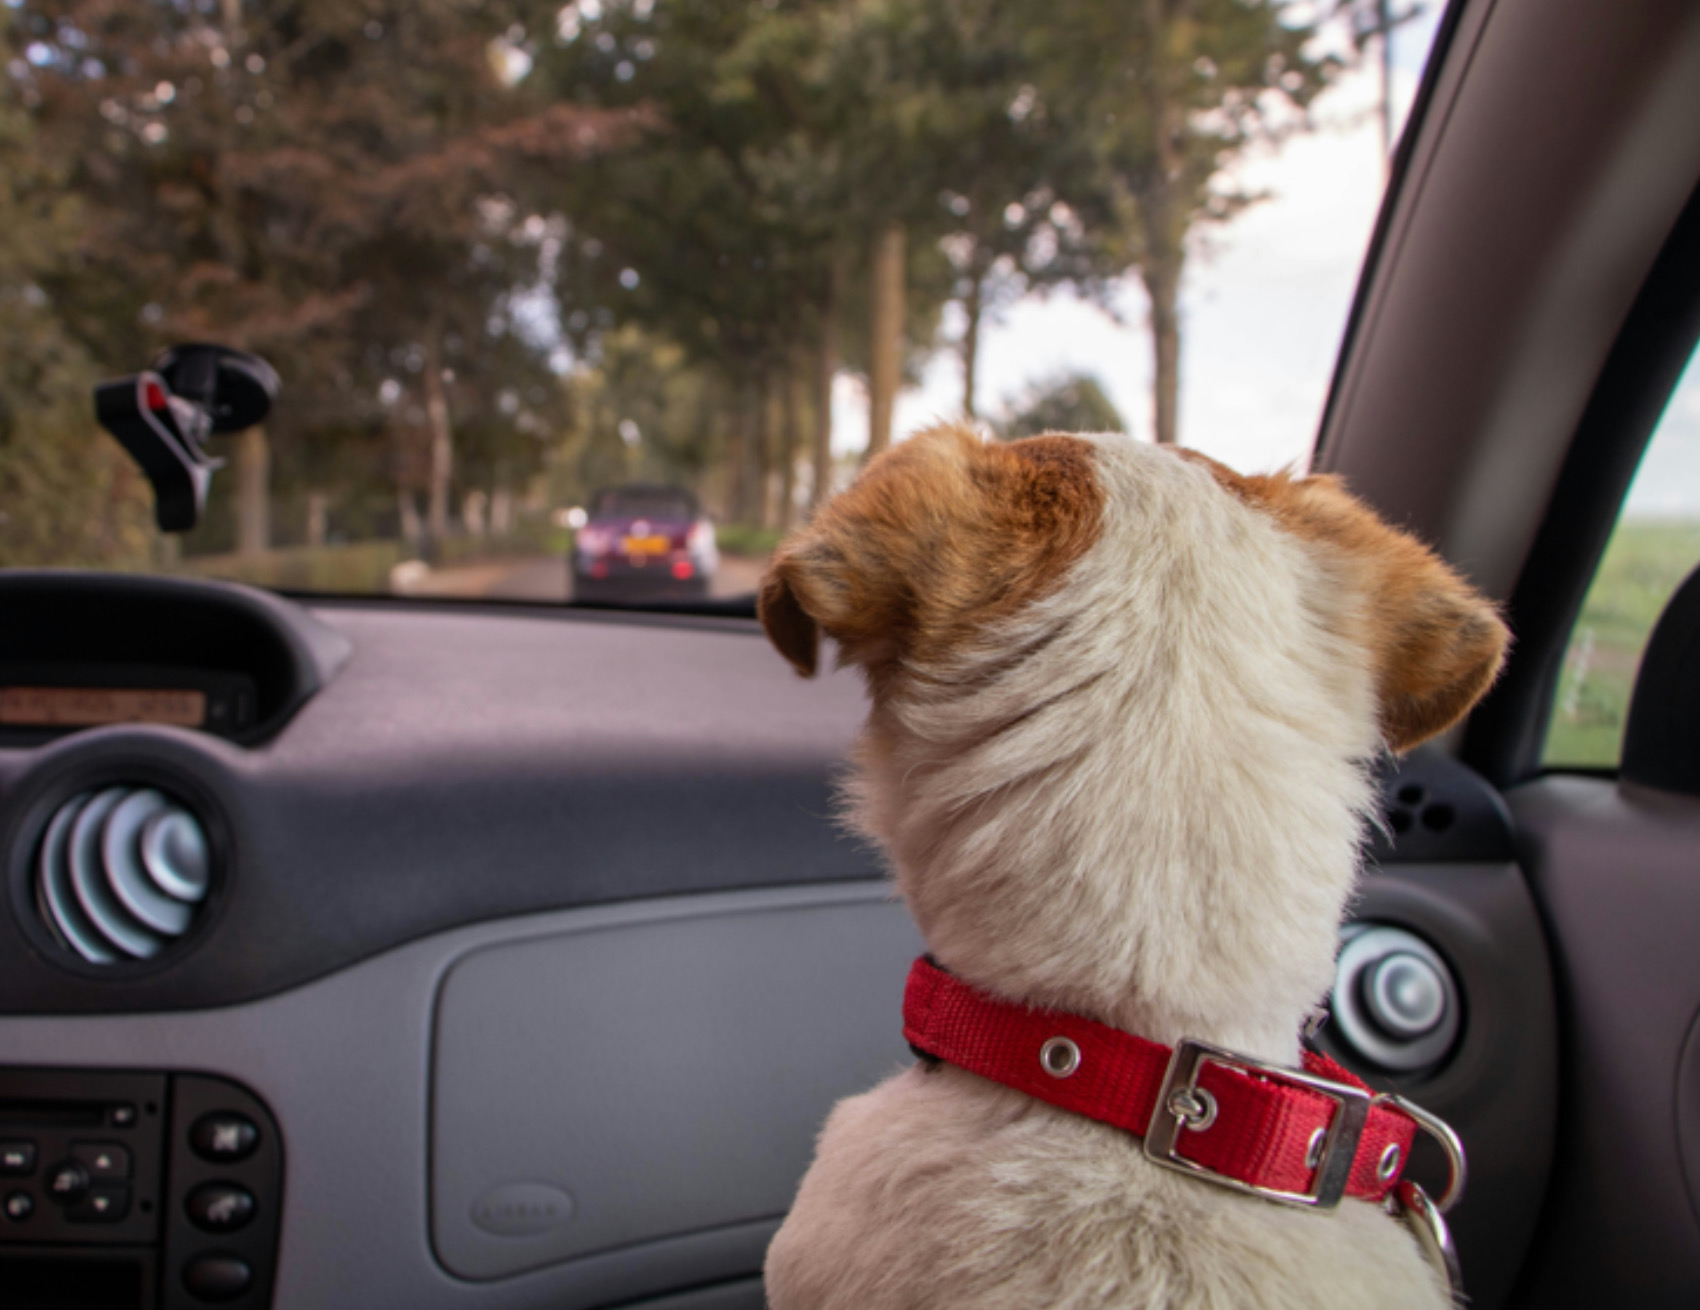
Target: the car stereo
(136, 1191)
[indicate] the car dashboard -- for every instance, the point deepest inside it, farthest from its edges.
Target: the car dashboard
(533, 956)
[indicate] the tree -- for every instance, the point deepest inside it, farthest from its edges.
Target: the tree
(68, 495)
(308, 181)
(1167, 93)
(1074, 402)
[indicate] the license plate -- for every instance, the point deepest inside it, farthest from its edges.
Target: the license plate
(651, 545)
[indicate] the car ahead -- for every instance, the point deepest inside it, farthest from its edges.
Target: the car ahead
(644, 542)
(517, 959)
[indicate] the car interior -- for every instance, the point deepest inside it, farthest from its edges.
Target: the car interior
(519, 956)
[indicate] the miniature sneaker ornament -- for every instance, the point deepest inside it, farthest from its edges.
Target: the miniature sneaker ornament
(1125, 708)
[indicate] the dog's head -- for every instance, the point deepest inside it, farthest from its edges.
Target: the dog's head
(946, 534)
(1124, 700)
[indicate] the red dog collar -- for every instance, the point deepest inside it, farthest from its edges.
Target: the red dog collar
(1304, 1138)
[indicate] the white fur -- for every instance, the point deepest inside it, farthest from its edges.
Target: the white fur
(1139, 799)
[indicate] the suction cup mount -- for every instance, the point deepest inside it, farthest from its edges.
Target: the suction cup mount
(164, 415)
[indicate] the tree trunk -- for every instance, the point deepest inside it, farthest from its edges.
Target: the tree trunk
(766, 435)
(1160, 196)
(407, 512)
(794, 381)
(318, 517)
(251, 461)
(442, 437)
(885, 355)
(737, 414)
(971, 341)
(826, 368)
(1162, 284)
(472, 512)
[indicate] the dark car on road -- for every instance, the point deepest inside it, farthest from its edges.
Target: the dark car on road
(644, 542)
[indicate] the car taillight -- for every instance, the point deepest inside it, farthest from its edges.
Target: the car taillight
(595, 541)
(683, 568)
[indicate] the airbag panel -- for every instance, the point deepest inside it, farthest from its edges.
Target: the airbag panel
(597, 1089)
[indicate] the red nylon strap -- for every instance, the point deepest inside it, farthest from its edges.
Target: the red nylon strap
(1263, 1126)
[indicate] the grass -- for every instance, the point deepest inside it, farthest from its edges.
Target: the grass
(742, 539)
(1644, 564)
(358, 567)
(363, 567)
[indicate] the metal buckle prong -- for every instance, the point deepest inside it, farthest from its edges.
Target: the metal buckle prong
(1338, 1149)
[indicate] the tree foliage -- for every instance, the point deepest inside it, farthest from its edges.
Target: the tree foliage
(486, 244)
(1073, 402)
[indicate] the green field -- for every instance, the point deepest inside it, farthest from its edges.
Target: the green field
(1646, 561)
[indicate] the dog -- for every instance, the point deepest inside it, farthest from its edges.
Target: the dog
(1125, 708)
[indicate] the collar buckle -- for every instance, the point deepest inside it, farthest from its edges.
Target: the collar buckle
(1182, 1104)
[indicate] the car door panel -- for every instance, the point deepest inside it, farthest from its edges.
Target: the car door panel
(1612, 866)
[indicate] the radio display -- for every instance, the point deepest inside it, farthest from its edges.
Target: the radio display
(84, 707)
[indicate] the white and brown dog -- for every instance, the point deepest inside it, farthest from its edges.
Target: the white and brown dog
(1125, 704)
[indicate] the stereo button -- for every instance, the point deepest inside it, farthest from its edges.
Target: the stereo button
(17, 1159)
(68, 1182)
(220, 1207)
(19, 1206)
(102, 1159)
(106, 1203)
(223, 1136)
(220, 1277)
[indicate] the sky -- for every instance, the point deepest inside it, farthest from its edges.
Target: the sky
(1263, 307)
(1263, 303)
(1667, 485)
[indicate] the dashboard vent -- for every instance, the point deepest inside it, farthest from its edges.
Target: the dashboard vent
(121, 873)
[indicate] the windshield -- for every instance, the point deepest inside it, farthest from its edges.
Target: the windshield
(642, 503)
(523, 267)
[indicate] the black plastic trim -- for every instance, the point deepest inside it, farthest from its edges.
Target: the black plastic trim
(1436, 810)
(54, 617)
(1508, 728)
(1661, 741)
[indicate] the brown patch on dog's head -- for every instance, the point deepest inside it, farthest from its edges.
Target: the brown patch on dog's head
(1437, 643)
(938, 536)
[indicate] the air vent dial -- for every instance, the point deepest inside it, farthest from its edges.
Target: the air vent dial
(121, 873)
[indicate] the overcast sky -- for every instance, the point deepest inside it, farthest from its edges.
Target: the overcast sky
(1263, 305)
(1263, 302)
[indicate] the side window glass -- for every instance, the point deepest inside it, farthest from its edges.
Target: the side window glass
(1654, 547)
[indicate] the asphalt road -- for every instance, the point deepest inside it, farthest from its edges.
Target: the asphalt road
(546, 577)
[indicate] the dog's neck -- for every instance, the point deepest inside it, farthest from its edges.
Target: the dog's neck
(1142, 798)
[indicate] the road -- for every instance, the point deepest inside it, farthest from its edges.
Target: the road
(545, 577)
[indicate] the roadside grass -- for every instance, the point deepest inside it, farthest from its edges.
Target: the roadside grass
(1644, 564)
(743, 539)
(363, 567)
(356, 567)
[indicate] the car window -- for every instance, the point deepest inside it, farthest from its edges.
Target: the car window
(642, 503)
(1654, 547)
(508, 259)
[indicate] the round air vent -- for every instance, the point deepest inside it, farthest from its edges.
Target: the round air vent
(1395, 1000)
(121, 873)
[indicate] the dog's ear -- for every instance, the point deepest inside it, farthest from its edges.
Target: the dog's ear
(1437, 643)
(1441, 645)
(849, 572)
(790, 628)
(940, 534)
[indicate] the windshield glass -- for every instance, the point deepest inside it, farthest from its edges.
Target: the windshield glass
(642, 503)
(522, 267)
